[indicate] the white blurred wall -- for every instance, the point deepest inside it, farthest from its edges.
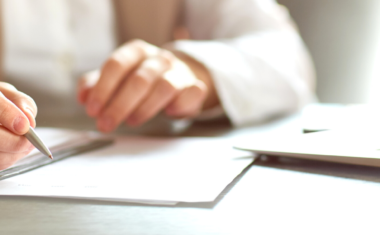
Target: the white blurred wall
(343, 37)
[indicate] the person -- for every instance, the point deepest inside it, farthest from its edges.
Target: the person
(240, 58)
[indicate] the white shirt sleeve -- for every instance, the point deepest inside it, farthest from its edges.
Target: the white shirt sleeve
(258, 62)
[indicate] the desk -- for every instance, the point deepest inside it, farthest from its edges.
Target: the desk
(279, 196)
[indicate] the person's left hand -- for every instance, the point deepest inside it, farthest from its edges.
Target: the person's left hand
(139, 80)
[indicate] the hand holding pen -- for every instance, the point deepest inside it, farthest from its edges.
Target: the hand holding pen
(17, 115)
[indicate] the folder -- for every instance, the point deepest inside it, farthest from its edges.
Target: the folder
(357, 146)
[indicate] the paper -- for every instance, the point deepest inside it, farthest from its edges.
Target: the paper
(138, 169)
(67, 144)
(58, 137)
(316, 117)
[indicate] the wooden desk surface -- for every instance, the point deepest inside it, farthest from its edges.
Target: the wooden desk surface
(278, 196)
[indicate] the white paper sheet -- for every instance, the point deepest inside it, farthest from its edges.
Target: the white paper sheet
(137, 169)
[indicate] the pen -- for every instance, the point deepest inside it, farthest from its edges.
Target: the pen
(32, 136)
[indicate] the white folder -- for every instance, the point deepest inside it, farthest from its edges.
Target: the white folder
(359, 146)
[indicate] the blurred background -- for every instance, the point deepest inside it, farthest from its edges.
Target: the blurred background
(343, 37)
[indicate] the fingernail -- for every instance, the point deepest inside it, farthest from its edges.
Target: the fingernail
(93, 108)
(19, 125)
(106, 124)
(31, 114)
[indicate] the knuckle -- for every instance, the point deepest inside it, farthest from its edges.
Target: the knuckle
(140, 82)
(197, 90)
(168, 56)
(115, 63)
(165, 88)
(166, 59)
(137, 45)
(137, 42)
(149, 71)
(144, 47)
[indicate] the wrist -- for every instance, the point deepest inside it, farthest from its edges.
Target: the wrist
(201, 73)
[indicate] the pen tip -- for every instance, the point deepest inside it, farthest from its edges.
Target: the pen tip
(51, 157)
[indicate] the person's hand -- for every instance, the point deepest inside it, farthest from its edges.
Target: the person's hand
(17, 113)
(139, 80)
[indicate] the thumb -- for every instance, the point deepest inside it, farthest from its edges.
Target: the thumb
(11, 117)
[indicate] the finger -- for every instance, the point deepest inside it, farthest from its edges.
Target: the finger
(121, 63)
(27, 106)
(85, 84)
(9, 159)
(30, 115)
(189, 102)
(24, 102)
(132, 92)
(13, 149)
(12, 143)
(162, 93)
(12, 117)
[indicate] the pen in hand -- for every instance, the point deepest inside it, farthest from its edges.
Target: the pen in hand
(32, 136)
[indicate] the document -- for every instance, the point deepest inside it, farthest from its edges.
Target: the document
(135, 169)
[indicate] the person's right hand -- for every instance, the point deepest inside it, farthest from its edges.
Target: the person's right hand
(17, 113)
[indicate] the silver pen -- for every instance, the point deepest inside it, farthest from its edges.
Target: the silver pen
(32, 136)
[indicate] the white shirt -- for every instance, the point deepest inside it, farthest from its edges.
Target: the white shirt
(49, 44)
(258, 62)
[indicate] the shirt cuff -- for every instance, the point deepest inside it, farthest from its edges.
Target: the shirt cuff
(230, 73)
